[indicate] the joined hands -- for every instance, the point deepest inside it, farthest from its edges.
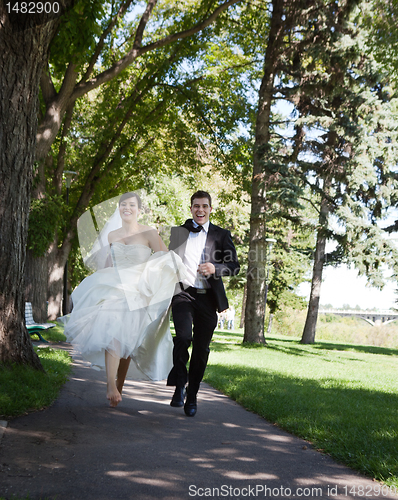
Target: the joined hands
(206, 269)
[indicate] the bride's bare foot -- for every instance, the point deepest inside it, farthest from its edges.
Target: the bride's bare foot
(114, 397)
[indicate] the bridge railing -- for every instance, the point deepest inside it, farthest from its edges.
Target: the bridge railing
(373, 318)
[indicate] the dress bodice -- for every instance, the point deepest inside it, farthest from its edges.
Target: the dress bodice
(126, 256)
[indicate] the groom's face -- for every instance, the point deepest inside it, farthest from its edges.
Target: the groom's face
(201, 210)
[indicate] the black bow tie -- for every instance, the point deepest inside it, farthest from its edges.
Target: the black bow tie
(189, 225)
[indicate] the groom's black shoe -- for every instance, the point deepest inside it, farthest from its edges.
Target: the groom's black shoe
(191, 405)
(178, 397)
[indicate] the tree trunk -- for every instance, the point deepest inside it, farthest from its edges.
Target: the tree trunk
(271, 317)
(24, 42)
(44, 283)
(36, 279)
(309, 331)
(256, 279)
(313, 305)
(255, 301)
(242, 315)
(56, 267)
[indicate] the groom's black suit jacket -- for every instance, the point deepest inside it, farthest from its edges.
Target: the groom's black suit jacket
(219, 250)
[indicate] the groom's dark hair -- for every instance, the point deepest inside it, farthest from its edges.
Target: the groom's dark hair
(200, 194)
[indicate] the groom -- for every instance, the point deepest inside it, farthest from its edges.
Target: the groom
(208, 253)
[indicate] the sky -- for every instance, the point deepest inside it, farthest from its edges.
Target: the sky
(342, 286)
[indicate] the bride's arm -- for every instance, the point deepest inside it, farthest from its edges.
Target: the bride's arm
(156, 242)
(113, 236)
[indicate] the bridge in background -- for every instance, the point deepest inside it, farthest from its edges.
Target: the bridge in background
(373, 318)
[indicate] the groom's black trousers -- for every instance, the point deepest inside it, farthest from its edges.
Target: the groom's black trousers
(198, 310)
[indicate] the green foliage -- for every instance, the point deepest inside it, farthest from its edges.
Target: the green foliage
(77, 271)
(176, 123)
(334, 151)
(44, 217)
(190, 107)
(80, 28)
(164, 114)
(289, 262)
(380, 18)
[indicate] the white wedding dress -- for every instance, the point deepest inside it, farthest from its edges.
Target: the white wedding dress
(125, 309)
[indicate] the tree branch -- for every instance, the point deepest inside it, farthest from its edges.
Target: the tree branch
(101, 42)
(57, 176)
(84, 87)
(142, 24)
(47, 87)
(55, 109)
(96, 175)
(68, 84)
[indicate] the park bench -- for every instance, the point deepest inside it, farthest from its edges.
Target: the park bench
(32, 326)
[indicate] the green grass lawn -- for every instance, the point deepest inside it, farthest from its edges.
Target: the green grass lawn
(343, 398)
(23, 389)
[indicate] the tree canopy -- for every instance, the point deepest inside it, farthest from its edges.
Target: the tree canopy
(143, 94)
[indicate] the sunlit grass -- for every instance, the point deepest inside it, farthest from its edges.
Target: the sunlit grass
(341, 397)
(55, 334)
(23, 389)
(337, 329)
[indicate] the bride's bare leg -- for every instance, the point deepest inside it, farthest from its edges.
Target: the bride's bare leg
(122, 372)
(111, 365)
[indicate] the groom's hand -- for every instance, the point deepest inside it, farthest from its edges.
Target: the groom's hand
(206, 269)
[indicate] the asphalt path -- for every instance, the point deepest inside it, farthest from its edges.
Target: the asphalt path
(80, 448)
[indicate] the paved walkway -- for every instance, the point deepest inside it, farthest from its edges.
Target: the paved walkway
(79, 448)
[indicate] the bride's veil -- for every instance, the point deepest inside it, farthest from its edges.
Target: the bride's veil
(93, 228)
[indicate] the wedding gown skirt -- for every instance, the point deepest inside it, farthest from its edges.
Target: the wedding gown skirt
(125, 309)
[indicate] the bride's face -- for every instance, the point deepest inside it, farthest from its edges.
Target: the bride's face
(128, 209)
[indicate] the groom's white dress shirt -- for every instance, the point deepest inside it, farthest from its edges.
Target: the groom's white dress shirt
(193, 256)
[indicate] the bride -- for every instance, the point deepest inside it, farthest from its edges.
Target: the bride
(120, 316)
